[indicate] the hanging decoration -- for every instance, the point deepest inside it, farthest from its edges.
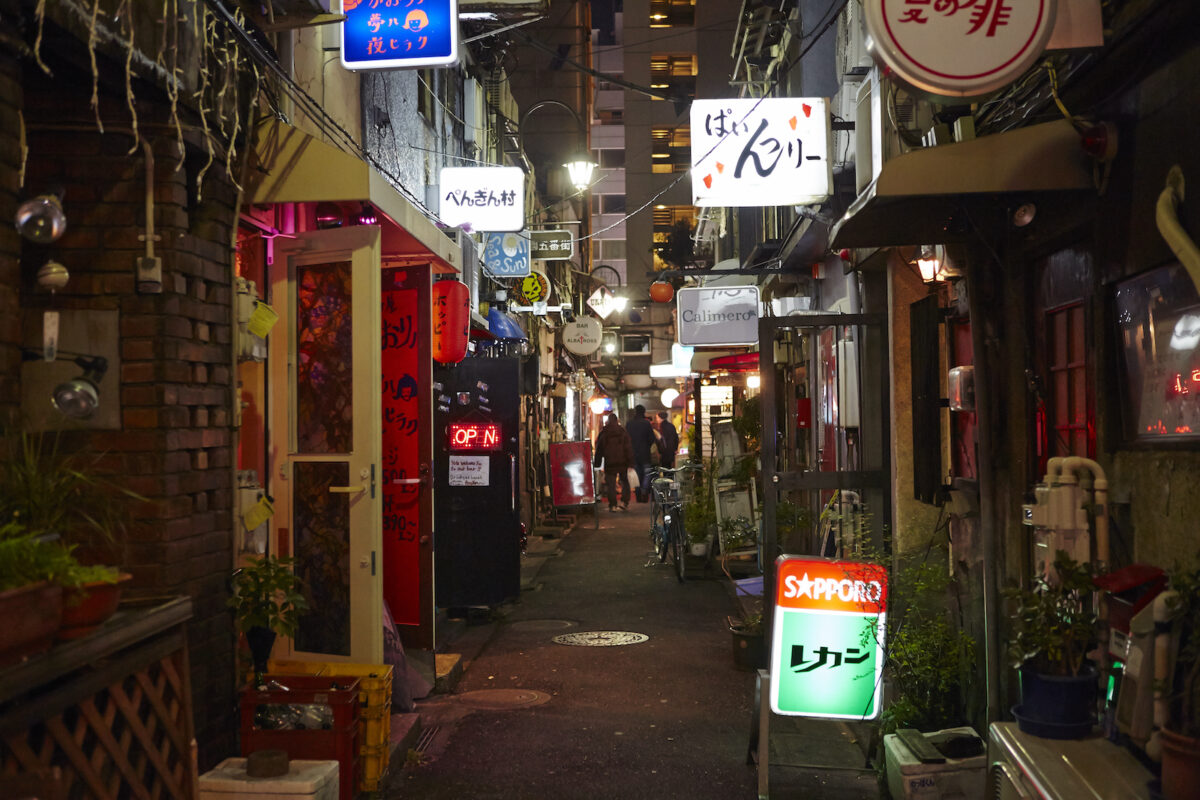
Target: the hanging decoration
(661, 292)
(451, 321)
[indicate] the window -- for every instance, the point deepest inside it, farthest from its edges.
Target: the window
(672, 149)
(1068, 405)
(612, 158)
(669, 13)
(612, 204)
(673, 229)
(635, 344)
(425, 96)
(612, 249)
(674, 74)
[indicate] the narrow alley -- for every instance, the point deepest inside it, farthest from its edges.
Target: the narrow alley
(667, 717)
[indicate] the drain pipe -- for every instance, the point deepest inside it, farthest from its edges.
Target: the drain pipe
(1167, 218)
(987, 482)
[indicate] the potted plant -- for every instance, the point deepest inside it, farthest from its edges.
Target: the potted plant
(32, 572)
(266, 602)
(1052, 628)
(1177, 612)
(749, 652)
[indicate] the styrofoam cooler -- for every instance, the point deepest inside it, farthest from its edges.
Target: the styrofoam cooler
(954, 779)
(305, 780)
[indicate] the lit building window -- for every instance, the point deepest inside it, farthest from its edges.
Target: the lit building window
(675, 73)
(670, 13)
(672, 149)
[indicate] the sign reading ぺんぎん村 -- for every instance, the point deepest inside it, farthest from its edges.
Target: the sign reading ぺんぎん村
(959, 48)
(482, 198)
(827, 641)
(395, 34)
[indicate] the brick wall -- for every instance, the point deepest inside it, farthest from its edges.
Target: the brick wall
(10, 358)
(175, 442)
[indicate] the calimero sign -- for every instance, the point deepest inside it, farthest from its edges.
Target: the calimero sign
(827, 642)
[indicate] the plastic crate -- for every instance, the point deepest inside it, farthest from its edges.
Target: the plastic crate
(375, 693)
(339, 743)
(374, 763)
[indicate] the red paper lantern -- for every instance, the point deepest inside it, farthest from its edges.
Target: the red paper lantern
(451, 321)
(661, 292)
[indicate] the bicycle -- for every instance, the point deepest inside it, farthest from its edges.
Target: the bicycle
(666, 517)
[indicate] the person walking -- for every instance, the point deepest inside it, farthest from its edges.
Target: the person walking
(614, 449)
(668, 440)
(641, 433)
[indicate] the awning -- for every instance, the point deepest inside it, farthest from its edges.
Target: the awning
(293, 167)
(929, 196)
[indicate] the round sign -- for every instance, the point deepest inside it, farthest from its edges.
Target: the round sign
(952, 48)
(535, 288)
(582, 337)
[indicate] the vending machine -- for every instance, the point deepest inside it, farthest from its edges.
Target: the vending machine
(477, 522)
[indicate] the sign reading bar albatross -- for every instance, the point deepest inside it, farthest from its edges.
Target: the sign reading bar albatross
(709, 317)
(394, 35)
(766, 152)
(827, 639)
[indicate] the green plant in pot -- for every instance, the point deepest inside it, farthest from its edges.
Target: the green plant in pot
(1052, 627)
(266, 602)
(1177, 617)
(33, 571)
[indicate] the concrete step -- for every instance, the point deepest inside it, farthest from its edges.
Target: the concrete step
(448, 669)
(406, 729)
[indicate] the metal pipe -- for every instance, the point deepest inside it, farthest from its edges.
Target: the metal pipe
(1167, 218)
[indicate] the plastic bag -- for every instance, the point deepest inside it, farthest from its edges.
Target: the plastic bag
(634, 479)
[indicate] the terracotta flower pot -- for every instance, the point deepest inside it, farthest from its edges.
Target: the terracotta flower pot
(1180, 766)
(87, 607)
(31, 617)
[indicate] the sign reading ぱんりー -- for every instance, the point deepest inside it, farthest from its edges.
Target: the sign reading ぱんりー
(827, 641)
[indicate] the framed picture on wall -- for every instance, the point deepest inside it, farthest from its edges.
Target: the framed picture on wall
(1158, 342)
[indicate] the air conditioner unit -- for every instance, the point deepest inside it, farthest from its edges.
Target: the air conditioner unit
(854, 60)
(888, 121)
(1024, 766)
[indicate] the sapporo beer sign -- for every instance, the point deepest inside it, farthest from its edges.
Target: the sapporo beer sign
(827, 642)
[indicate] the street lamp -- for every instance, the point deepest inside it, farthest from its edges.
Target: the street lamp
(581, 168)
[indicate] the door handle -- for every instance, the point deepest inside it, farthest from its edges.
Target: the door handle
(347, 489)
(408, 481)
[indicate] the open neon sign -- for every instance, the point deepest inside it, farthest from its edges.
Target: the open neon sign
(474, 436)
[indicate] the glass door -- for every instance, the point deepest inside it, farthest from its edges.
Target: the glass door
(325, 437)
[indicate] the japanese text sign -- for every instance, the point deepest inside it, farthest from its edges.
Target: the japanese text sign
(506, 255)
(959, 48)
(827, 641)
(482, 198)
(394, 34)
(551, 245)
(765, 152)
(725, 316)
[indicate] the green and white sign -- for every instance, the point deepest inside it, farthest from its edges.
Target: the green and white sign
(827, 641)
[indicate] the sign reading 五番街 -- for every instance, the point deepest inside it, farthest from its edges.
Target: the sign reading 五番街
(765, 152)
(482, 198)
(827, 642)
(398, 34)
(959, 49)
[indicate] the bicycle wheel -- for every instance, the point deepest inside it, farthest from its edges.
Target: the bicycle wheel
(678, 543)
(658, 532)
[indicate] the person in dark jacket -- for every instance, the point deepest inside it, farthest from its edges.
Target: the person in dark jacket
(641, 433)
(615, 450)
(668, 440)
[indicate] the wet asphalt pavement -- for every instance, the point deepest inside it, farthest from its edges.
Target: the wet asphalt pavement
(669, 717)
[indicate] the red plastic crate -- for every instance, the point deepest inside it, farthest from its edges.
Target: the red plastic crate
(338, 743)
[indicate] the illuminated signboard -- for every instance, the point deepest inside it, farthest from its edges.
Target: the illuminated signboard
(390, 34)
(474, 436)
(827, 640)
(482, 199)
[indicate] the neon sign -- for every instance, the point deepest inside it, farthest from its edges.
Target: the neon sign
(474, 436)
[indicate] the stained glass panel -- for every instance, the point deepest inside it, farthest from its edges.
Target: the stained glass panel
(324, 365)
(322, 523)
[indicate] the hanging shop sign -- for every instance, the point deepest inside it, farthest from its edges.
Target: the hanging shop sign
(603, 302)
(582, 335)
(393, 35)
(506, 255)
(827, 638)
(551, 245)
(765, 152)
(535, 287)
(959, 49)
(482, 198)
(725, 316)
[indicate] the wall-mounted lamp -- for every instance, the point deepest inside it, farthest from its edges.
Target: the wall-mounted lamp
(79, 397)
(41, 219)
(580, 172)
(929, 264)
(580, 168)
(753, 381)
(668, 396)
(366, 216)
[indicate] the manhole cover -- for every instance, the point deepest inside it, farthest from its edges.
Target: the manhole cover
(600, 638)
(542, 625)
(500, 699)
